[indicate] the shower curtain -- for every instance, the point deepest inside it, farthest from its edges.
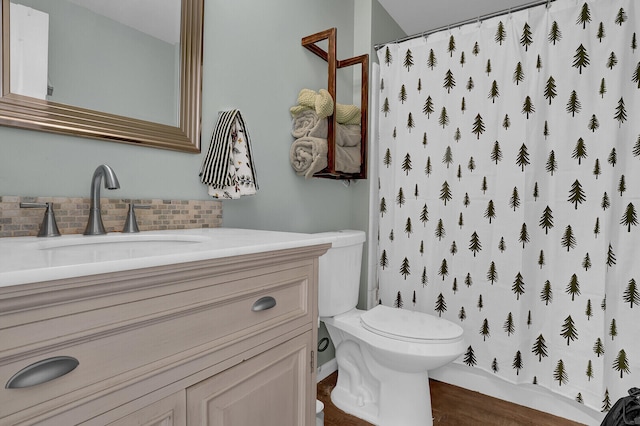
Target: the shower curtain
(509, 187)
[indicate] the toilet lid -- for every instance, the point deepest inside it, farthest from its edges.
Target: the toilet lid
(403, 324)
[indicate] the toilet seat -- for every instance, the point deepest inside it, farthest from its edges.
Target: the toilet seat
(410, 326)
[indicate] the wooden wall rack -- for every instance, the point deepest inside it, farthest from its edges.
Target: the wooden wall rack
(309, 42)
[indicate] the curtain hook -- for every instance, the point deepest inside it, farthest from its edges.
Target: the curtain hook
(479, 22)
(548, 4)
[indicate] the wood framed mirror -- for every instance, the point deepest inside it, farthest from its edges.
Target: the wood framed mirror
(182, 133)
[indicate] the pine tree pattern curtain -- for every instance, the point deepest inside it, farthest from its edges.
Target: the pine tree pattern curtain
(509, 192)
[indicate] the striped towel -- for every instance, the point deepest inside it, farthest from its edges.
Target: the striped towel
(228, 168)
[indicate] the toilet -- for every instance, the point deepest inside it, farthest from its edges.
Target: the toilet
(383, 354)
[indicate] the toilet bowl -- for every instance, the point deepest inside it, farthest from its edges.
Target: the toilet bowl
(383, 354)
(383, 376)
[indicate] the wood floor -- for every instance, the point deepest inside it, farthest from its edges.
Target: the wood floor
(452, 406)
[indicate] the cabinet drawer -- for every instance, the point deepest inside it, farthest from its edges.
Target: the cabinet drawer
(97, 304)
(126, 352)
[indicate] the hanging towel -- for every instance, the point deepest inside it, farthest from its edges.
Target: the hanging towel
(228, 168)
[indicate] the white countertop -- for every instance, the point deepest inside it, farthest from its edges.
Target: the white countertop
(31, 259)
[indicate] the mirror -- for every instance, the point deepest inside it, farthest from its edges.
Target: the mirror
(156, 98)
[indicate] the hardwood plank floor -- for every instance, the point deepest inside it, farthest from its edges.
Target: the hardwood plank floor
(452, 406)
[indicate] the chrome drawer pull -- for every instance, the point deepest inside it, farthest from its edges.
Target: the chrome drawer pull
(264, 303)
(42, 372)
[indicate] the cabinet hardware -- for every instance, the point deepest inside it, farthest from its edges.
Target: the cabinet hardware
(42, 372)
(264, 303)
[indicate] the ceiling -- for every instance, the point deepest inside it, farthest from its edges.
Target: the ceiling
(418, 16)
(158, 18)
(413, 16)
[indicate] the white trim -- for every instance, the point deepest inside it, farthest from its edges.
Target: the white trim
(326, 369)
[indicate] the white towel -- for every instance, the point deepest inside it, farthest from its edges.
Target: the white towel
(228, 168)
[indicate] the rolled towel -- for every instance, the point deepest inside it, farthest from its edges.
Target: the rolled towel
(348, 135)
(347, 159)
(297, 109)
(307, 123)
(308, 155)
(321, 101)
(321, 130)
(307, 97)
(347, 114)
(324, 104)
(347, 151)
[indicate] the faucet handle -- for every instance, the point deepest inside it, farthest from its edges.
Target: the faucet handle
(49, 227)
(131, 224)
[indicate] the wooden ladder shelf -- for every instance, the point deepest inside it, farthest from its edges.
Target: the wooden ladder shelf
(333, 64)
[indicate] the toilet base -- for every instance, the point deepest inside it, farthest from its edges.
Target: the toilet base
(411, 407)
(348, 403)
(387, 398)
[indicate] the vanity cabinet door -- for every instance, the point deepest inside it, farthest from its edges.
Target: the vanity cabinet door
(275, 388)
(169, 411)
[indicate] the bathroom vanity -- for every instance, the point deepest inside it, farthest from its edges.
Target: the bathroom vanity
(192, 327)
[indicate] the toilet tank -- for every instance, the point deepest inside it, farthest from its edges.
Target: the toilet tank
(339, 273)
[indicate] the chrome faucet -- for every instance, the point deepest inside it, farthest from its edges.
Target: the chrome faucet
(95, 226)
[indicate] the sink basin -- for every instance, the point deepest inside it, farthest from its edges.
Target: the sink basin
(122, 242)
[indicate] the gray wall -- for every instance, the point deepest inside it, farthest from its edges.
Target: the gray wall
(253, 61)
(259, 67)
(383, 28)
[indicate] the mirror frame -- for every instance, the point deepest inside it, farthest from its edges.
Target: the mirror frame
(35, 114)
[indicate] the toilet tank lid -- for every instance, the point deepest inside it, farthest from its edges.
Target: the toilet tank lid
(347, 237)
(403, 324)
